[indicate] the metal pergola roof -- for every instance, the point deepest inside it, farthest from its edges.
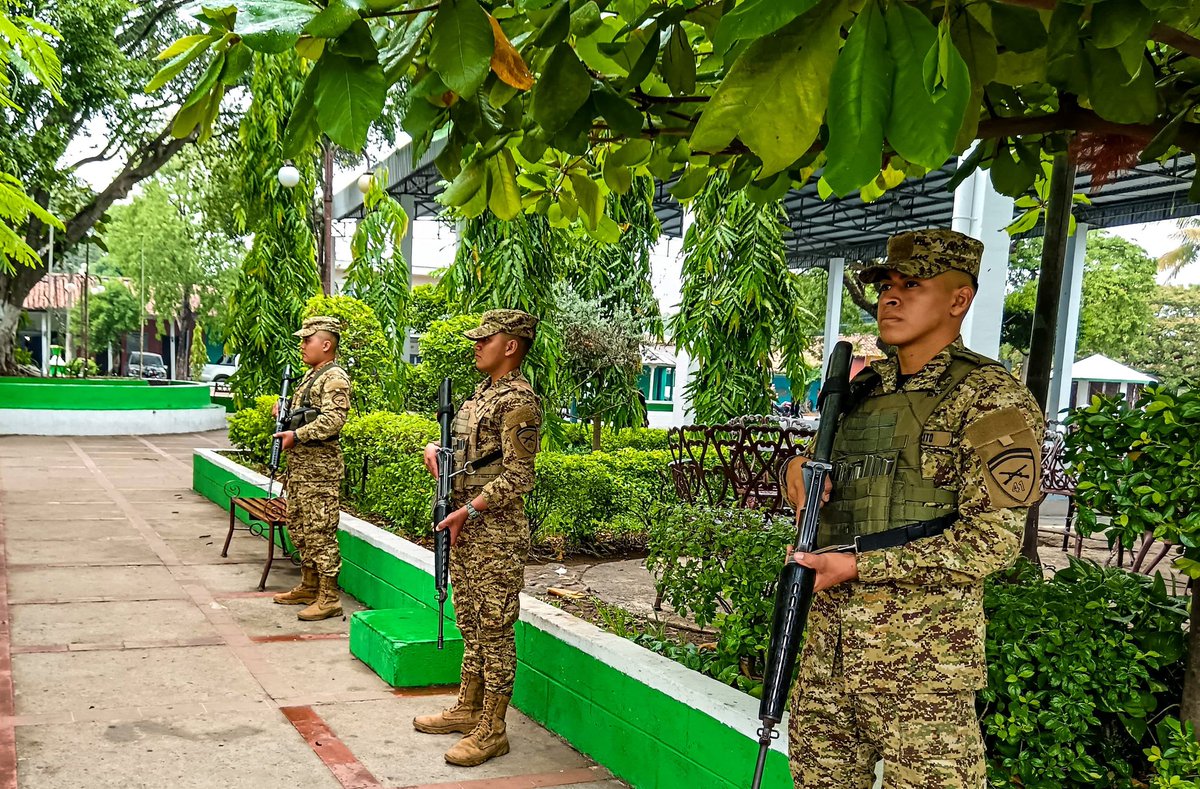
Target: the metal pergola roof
(847, 227)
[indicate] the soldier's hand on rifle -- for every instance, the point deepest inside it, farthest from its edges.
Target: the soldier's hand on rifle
(275, 410)
(431, 458)
(454, 522)
(289, 439)
(794, 477)
(832, 568)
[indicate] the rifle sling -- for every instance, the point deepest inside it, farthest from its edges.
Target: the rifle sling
(486, 460)
(901, 535)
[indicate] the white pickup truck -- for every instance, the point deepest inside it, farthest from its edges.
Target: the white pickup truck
(220, 370)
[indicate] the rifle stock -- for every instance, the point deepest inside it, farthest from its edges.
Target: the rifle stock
(441, 507)
(282, 409)
(793, 595)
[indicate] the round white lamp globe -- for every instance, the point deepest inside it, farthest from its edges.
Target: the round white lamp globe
(364, 181)
(289, 176)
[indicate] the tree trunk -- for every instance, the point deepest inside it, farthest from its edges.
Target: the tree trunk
(1189, 708)
(14, 288)
(596, 423)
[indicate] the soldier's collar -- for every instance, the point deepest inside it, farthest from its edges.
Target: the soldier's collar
(927, 377)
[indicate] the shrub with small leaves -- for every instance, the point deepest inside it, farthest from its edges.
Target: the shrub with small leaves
(362, 351)
(250, 429)
(1077, 667)
(720, 567)
(1175, 761)
(398, 487)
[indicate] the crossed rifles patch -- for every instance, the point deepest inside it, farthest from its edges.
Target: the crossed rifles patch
(522, 425)
(1011, 457)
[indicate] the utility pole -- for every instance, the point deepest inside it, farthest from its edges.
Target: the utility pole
(87, 318)
(142, 299)
(327, 219)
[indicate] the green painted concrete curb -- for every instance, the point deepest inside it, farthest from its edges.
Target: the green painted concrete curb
(400, 645)
(651, 722)
(76, 395)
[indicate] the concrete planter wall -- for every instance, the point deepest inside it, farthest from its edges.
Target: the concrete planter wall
(652, 722)
(93, 407)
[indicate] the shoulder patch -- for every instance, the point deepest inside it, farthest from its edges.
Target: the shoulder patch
(1011, 456)
(522, 426)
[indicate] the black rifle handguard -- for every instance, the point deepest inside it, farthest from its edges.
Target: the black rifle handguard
(441, 506)
(793, 595)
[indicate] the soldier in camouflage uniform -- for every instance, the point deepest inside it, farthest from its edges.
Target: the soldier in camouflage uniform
(315, 470)
(497, 435)
(937, 460)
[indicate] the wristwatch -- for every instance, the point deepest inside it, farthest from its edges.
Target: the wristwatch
(472, 513)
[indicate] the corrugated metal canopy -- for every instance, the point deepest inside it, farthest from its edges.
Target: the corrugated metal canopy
(848, 227)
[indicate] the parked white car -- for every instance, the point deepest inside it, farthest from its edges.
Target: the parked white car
(220, 370)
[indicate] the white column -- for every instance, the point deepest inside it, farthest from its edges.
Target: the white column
(1069, 299)
(981, 212)
(833, 313)
(685, 366)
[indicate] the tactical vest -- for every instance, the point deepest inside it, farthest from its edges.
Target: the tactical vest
(878, 480)
(478, 470)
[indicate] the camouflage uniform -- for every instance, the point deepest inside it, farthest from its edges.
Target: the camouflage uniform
(315, 465)
(487, 563)
(891, 662)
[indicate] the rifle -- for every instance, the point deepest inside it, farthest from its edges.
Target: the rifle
(441, 507)
(793, 596)
(282, 418)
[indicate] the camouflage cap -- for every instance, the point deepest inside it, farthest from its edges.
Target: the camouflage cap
(927, 253)
(319, 323)
(514, 322)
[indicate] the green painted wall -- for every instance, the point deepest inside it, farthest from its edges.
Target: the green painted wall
(218, 485)
(645, 737)
(108, 396)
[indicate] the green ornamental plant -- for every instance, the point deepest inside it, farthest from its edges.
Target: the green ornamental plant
(719, 566)
(1139, 465)
(362, 350)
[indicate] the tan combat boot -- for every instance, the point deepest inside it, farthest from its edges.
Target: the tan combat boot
(487, 740)
(327, 604)
(462, 717)
(304, 593)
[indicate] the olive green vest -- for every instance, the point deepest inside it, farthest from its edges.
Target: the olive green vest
(878, 482)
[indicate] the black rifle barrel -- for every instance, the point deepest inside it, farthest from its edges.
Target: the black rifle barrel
(793, 596)
(281, 419)
(441, 508)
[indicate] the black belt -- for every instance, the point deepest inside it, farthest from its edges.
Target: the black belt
(901, 535)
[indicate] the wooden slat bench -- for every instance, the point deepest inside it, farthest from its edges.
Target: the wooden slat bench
(268, 518)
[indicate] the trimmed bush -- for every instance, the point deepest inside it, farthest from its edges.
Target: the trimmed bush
(362, 350)
(398, 487)
(580, 501)
(250, 429)
(577, 437)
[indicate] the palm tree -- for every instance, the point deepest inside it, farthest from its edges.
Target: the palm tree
(1188, 251)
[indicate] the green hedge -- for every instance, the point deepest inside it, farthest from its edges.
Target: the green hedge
(579, 502)
(577, 437)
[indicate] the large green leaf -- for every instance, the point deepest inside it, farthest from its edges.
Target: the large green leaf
(349, 97)
(504, 197)
(563, 88)
(618, 113)
(919, 128)
(679, 63)
(272, 26)
(591, 204)
(774, 97)
(1112, 94)
(1018, 29)
(757, 18)
(401, 45)
(180, 61)
(978, 49)
(462, 46)
(303, 129)
(860, 99)
(335, 19)
(1116, 21)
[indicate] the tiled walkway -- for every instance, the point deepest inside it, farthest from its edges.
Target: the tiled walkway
(133, 655)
